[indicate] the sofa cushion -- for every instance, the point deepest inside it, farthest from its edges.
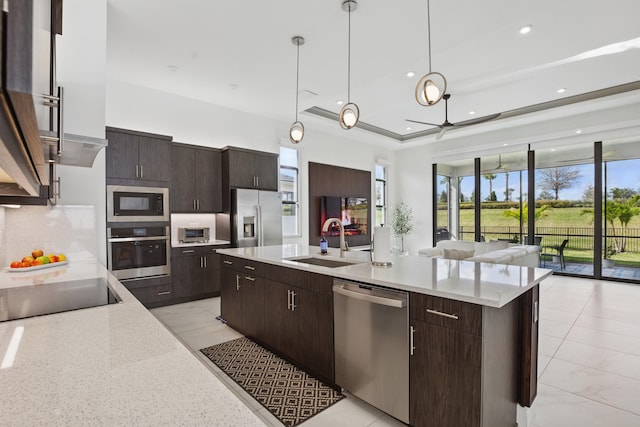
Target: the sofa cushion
(457, 254)
(496, 245)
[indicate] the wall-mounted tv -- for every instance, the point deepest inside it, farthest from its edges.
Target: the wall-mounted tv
(353, 212)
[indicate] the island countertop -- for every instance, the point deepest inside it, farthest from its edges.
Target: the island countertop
(493, 285)
(110, 365)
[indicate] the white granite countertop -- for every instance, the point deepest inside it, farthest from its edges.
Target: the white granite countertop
(109, 365)
(493, 285)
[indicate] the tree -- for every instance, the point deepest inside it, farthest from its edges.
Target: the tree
(490, 177)
(522, 215)
(402, 222)
(622, 193)
(444, 197)
(545, 195)
(623, 211)
(588, 195)
(556, 179)
(507, 194)
(492, 197)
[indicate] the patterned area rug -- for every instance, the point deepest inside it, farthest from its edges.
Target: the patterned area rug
(290, 394)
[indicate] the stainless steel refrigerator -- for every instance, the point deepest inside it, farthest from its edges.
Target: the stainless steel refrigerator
(256, 218)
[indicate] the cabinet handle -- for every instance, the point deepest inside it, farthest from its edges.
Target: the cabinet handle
(535, 312)
(237, 282)
(248, 267)
(188, 251)
(228, 262)
(204, 258)
(293, 301)
(141, 171)
(440, 313)
(288, 299)
(412, 346)
(164, 293)
(201, 265)
(249, 278)
(257, 181)
(194, 204)
(137, 171)
(198, 204)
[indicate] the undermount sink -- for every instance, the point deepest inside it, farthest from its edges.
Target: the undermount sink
(325, 262)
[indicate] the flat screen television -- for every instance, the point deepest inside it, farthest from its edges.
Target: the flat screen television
(353, 212)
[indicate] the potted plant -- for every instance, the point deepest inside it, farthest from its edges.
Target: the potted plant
(607, 262)
(402, 222)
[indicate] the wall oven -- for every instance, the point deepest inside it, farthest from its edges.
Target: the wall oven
(130, 204)
(137, 252)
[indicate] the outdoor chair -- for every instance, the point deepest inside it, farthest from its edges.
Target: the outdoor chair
(555, 251)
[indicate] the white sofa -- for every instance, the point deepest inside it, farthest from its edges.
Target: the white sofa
(495, 252)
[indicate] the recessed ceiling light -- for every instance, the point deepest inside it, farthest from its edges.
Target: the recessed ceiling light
(505, 144)
(562, 90)
(410, 74)
(579, 131)
(553, 149)
(339, 102)
(526, 29)
(472, 112)
(408, 128)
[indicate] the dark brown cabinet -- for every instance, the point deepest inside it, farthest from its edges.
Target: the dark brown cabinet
(196, 184)
(463, 363)
(289, 311)
(250, 169)
(137, 156)
(195, 272)
(151, 292)
(242, 296)
(299, 322)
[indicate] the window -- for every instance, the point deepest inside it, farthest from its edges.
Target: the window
(289, 191)
(381, 195)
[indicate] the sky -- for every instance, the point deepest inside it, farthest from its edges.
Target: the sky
(621, 174)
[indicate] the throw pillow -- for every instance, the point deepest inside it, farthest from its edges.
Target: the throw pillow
(457, 254)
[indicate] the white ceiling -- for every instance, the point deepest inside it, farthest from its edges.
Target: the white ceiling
(239, 54)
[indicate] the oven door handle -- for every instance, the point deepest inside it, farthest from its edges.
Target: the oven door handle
(136, 239)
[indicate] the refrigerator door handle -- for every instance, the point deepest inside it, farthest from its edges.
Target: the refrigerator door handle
(259, 224)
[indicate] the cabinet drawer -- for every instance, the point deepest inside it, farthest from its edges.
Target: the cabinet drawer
(448, 313)
(253, 268)
(151, 294)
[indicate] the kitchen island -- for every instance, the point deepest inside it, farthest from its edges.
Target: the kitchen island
(472, 327)
(109, 365)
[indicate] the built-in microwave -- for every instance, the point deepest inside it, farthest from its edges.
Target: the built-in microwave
(129, 204)
(193, 234)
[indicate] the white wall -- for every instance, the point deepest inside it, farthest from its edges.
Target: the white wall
(195, 122)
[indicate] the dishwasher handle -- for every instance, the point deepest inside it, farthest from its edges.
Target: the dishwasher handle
(390, 302)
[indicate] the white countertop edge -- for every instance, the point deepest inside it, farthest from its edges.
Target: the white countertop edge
(507, 293)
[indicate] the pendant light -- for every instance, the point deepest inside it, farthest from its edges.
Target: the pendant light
(350, 113)
(296, 132)
(432, 86)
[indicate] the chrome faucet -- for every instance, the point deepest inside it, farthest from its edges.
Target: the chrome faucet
(343, 244)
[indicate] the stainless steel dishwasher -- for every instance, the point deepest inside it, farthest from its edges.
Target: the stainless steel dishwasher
(371, 334)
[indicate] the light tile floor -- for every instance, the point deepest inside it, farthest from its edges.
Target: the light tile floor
(589, 360)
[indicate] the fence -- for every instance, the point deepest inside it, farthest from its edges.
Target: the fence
(580, 238)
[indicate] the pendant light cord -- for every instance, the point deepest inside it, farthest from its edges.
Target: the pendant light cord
(297, 76)
(349, 61)
(429, 33)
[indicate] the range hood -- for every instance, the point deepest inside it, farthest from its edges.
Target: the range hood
(77, 150)
(18, 179)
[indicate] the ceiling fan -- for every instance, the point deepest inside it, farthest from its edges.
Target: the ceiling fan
(500, 166)
(607, 155)
(448, 125)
